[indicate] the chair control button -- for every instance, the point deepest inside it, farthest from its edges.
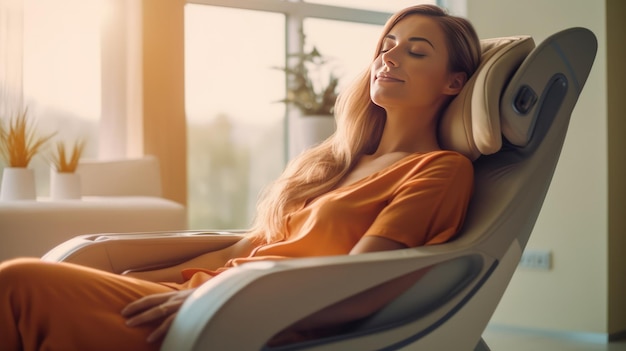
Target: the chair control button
(524, 100)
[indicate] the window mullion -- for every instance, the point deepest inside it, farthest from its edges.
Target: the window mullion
(294, 43)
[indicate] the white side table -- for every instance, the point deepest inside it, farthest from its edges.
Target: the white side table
(32, 228)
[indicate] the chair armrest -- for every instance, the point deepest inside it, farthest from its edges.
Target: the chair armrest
(117, 253)
(263, 298)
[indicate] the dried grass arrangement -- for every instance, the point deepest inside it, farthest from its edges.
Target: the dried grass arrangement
(20, 142)
(60, 160)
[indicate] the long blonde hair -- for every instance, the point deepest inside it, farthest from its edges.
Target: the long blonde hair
(360, 125)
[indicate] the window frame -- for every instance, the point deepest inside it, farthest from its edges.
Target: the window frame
(301, 9)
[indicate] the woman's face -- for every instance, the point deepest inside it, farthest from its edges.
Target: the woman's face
(411, 69)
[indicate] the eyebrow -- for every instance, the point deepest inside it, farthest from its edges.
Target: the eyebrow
(391, 36)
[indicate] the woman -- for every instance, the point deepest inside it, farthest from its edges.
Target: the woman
(381, 182)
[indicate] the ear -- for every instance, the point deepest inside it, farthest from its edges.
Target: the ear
(456, 83)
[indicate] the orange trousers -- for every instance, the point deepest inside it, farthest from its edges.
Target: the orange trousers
(60, 306)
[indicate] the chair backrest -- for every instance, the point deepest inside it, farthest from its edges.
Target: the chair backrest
(535, 108)
(121, 177)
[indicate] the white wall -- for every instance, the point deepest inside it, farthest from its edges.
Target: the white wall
(573, 224)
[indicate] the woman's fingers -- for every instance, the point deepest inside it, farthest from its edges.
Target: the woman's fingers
(154, 313)
(160, 332)
(154, 308)
(145, 303)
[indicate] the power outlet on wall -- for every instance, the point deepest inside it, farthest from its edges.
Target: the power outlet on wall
(536, 259)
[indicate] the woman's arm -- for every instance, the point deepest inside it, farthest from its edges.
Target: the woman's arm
(210, 260)
(375, 243)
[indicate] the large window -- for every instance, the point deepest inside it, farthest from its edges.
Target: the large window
(238, 136)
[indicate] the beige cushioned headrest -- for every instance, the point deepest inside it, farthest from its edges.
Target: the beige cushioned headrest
(471, 123)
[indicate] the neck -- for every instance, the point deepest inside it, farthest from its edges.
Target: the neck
(409, 132)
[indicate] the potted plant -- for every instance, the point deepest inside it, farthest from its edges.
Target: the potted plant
(19, 143)
(312, 90)
(64, 182)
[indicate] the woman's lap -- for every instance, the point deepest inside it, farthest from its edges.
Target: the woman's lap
(63, 306)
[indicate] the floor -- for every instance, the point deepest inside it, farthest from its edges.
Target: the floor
(499, 339)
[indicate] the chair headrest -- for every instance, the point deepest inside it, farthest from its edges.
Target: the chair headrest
(471, 123)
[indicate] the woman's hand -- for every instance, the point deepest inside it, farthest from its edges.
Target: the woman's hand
(153, 308)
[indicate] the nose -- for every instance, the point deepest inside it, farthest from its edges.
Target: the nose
(389, 58)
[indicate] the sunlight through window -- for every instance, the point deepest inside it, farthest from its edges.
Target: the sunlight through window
(235, 124)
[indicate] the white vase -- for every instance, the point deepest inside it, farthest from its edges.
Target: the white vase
(64, 186)
(18, 183)
(314, 129)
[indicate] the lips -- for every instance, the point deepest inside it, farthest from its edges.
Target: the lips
(387, 77)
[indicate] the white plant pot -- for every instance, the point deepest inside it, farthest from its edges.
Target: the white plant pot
(64, 186)
(314, 129)
(18, 183)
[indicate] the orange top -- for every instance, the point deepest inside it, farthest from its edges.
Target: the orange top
(419, 200)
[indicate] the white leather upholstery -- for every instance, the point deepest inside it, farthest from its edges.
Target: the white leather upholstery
(120, 196)
(121, 177)
(31, 228)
